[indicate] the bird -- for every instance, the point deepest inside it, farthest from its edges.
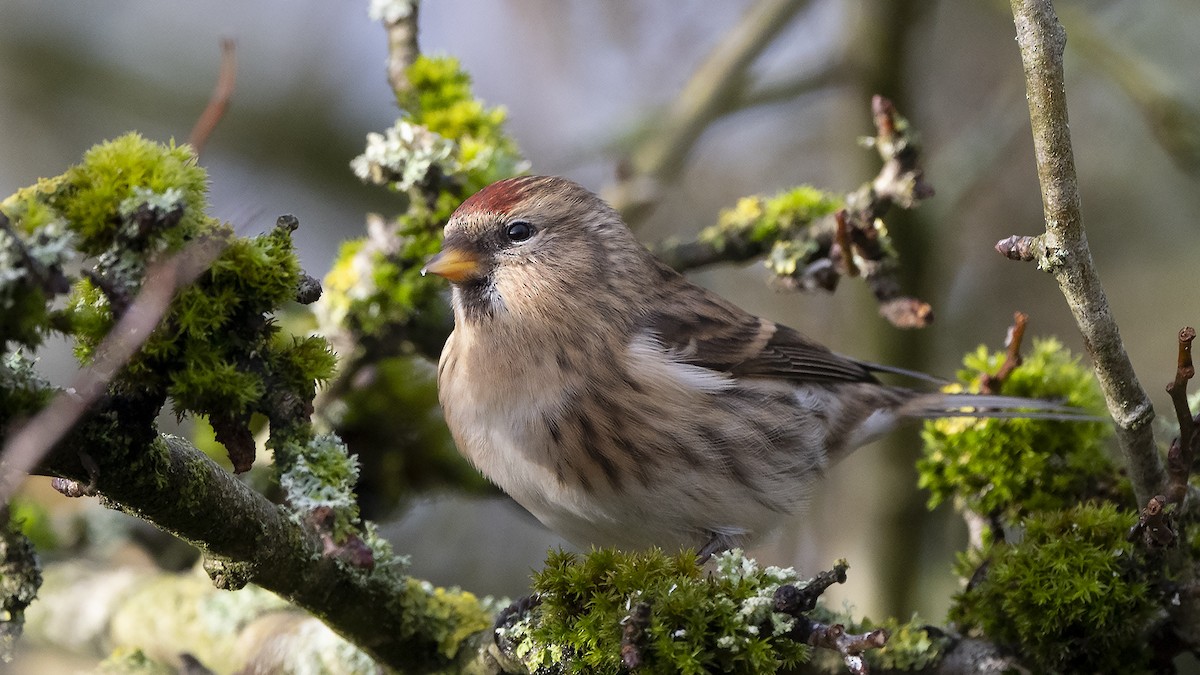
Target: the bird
(625, 406)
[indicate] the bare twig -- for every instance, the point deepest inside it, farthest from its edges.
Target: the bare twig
(1012, 357)
(218, 103)
(29, 444)
(1183, 451)
(850, 645)
(703, 99)
(1042, 42)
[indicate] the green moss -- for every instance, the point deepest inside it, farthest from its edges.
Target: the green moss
(764, 220)
(98, 196)
(1071, 596)
(1010, 467)
(698, 623)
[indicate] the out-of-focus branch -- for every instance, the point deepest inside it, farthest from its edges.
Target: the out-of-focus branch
(704, 98)
(1042, 41)
(399, 19)
(218, 103)
(189, 495)
(1173, 119)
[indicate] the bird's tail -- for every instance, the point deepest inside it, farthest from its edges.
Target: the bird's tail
(933, 406)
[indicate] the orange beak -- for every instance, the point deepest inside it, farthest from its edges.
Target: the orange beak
(453, 264)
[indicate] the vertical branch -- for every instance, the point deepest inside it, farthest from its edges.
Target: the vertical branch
(1066, 254)
(400, 20)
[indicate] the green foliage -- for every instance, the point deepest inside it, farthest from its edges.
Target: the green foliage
(33, 520)
(1011, 467)
(1071, 596)
(698, 623)
(762, 220)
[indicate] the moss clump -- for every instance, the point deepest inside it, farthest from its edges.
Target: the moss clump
(132, 203)
(697, 623)
(755, 223)
(1016, 466)
(1071, 596)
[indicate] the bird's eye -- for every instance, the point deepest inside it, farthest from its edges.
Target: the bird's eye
(518, 231)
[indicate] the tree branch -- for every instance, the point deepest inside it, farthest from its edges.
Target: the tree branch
(182, 491)
(1042, 41)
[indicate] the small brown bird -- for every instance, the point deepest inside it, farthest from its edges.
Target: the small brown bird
(625, 406)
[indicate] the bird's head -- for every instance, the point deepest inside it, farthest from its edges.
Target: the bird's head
(533, 245)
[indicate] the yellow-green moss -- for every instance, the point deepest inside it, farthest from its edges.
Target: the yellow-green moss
(1071, 596)
(1014, 466)
(698, 623)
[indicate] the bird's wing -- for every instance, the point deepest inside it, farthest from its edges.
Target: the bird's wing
(703, 329)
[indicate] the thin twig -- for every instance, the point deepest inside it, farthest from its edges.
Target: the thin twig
(29, 444)
(1183, 451)
(1042, 41)
(1012, 357)
(218, 103)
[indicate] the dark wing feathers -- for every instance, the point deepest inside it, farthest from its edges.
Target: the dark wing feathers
(705, 330)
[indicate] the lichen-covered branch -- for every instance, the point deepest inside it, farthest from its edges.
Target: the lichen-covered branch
(811, 239)
(398, 620)
(1066, 254)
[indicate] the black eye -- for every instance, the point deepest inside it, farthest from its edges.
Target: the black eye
(518, 231)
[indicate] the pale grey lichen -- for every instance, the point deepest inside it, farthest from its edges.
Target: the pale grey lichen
(321, 475)
(404, 157)
(390, 11)
(759, 608)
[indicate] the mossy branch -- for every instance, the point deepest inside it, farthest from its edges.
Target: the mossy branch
(1065, 251)
(811, 238)
(400, 621)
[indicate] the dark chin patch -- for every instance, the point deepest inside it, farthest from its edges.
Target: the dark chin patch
(476, 299)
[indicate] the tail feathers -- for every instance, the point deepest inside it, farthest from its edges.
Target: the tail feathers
(933, 406)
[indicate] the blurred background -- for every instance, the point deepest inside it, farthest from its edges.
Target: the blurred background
(585, 82)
